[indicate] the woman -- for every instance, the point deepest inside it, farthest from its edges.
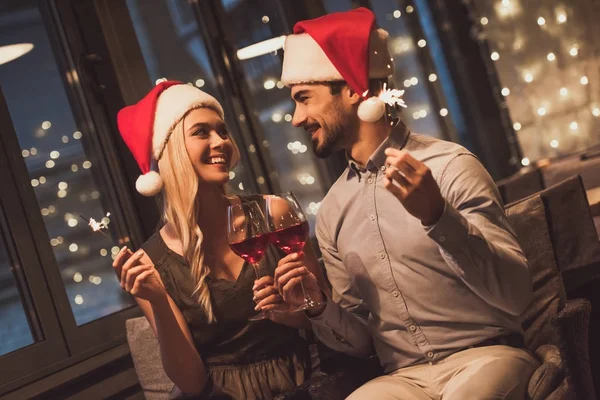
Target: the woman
(195, 292)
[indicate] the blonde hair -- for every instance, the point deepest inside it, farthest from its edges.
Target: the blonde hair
(180, 208)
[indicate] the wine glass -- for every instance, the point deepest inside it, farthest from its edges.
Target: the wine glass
(289, 232)
(248, 235)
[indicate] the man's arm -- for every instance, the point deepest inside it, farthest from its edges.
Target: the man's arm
(342, 323)
(476, 239)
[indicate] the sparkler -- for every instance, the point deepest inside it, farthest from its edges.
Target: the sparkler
(98, 226)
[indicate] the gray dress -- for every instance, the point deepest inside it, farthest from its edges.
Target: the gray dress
(245, 360)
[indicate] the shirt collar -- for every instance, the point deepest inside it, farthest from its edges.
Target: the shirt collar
(397, 139)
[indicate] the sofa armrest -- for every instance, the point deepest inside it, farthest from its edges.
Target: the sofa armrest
(549, 375)
(572, 325)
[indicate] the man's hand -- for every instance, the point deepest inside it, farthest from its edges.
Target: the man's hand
(412, 183)
(290, 272)
(266, 296)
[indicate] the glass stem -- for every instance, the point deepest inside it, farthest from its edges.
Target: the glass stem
(306, 298)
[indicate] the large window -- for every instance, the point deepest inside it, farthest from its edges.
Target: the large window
(59, 297)
(546, 56)
(65, 171)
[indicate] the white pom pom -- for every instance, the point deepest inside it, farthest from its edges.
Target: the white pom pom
(371, 110)
(149, 184)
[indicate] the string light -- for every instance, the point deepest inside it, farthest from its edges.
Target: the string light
(541, 111)
(77, 277)
(78, 299)
(397, 13)
(269, 84)
(50, 164)
(551, 57)
(517, 126)
(563, 91)
(528, 77)
(25, 153)
(77, 135)
(54, 154)
(574, 51)
(484, 21)
(46, 125)
(409, 9)
(443, 112)
(574, 126)
(596, 112)
(265, 19)
(561, 18)
(505, 92)
(584, 80)
(414, 81)
(200, 83)
(525, 161)
(541, 21)
(554, 143)
(422, 43)
(495, 56)
(432, 77)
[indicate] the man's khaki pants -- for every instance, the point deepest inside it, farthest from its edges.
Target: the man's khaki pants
(490, 372)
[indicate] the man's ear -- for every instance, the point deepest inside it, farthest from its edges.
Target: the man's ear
(352, 96)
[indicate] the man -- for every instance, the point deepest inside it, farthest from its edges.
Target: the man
(420, 255)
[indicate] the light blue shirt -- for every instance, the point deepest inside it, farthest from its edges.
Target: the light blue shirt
(414, 293)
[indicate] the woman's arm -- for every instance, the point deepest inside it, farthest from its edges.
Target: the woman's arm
(180, 359)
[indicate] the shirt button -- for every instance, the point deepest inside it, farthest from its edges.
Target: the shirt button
(382, 256)
(412, 328)
(395, 294)
(442, 239)
(430, 354)
(370, 180)
(383, 168)
(372, 218)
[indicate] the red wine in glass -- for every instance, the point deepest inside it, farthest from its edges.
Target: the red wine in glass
(289, 232)
(248, 235)
(291, 240)
(251, 250)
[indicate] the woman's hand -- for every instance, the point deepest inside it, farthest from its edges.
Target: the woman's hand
(266, 296)
(139, 279)
(290, 272)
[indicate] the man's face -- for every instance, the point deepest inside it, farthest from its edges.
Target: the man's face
(327, 117)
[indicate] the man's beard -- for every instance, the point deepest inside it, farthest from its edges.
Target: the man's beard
(330, 138)
(331, 134)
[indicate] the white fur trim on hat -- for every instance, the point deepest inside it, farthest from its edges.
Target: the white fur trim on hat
(149, 184)
(172, 105)
(305, 62)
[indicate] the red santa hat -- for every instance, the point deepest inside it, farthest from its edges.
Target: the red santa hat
(342, 46)
(146, 126)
